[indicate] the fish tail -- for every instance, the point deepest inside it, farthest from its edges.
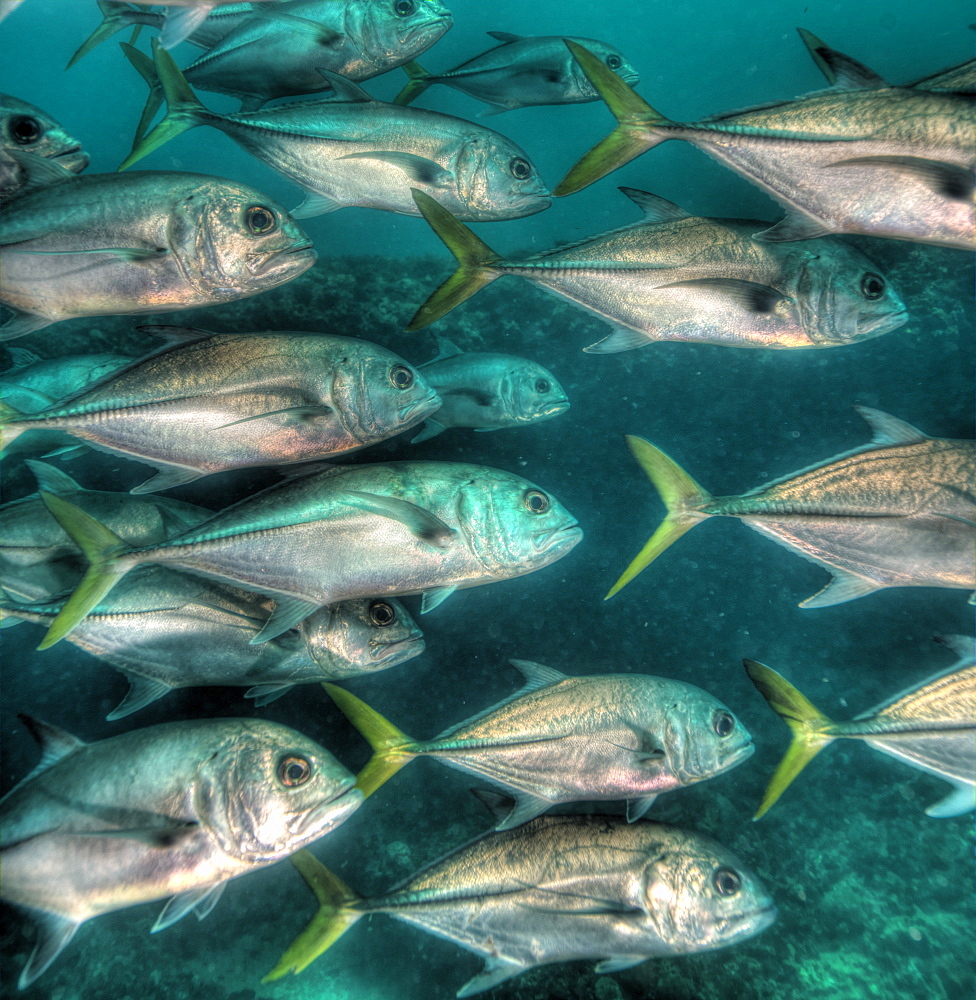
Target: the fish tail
(392, 749)
(8, 429)
(680, 493)
(115, 16)
(635, 133)
(335, 916)
(183, 110)
(101, 547)
(418, 81)
(476, 262)
(808, 724)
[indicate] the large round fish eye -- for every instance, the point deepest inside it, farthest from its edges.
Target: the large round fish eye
(726, 882)
(872, 285)
(520, 168)
(25, 130)
(614, 62)
(404, 8)
(401, 377)
(723, 724)
(542, 385)
(293, 771)
(381, 614)
(536, 502)
(260, 219)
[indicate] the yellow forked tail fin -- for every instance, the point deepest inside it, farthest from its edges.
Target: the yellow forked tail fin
(392, 749)
(807, 723)
(680, 494)
(335, 916)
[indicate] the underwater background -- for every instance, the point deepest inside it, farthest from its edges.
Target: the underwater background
(875, 899)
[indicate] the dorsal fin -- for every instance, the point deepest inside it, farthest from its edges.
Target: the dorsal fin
(505, 37)
(50, 478)
(55, 744)
(655, 209)
(842, 72)
(888, 429)
(445, 349)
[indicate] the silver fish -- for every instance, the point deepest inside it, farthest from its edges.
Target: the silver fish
(188, 16)
(26, 128)
(488, 391)
(213, 402)
(561, 889)
(153, 626)
(898, 512)
(881, 161)
(521, 72)
(931, 727)
(38, 560)
(105, 244)
(381, 530)
(673, 276)
(571, 739)
(361, 152)
(172, 810)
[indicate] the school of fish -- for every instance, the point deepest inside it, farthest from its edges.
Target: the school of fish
(299, 583)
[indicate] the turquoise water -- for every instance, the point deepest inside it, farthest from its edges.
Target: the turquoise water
(875, 898)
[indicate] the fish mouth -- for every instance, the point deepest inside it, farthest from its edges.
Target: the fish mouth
(261, 263)
(563, 537)
(428, 404)
(428, 27)
(330, 813)
(735, 757)
(74, 159)
(556, 407)
(397, 650)
(876, 326)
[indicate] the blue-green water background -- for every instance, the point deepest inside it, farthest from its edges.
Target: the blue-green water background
(875, 898)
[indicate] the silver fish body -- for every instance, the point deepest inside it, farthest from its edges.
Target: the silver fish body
(172, 810)
(105, 244)
(154, 625)
(35, 383)
(489, 391)
(523, 72)
(282, 53)
(566, 888)
(26, 128)
(230, 401)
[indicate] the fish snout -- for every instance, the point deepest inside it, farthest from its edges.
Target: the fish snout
(397, 650)
(562, 537)
(417, 408)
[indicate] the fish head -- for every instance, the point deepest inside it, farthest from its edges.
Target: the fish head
(392, 32)
(699, 896)
(530, 392)
(25, 127)
(268, 791)
(496, 179)
(232, 240)
(377, 394)
(843, 297)
(512, 526)
(360, 636)
(703, 737)
(608, 54)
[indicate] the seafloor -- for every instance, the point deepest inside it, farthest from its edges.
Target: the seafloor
(875, 899)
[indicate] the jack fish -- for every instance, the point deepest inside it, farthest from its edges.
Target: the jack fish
(108, 244)
(561, 889)
(38, 561)
(521, 72)
(26, 128)
(931, 727)
(488, 391)
(880, 161)
(361, 152)
(676, 277)
(571, 739)
(187, 16)
(380, 530)
(172, 810)
(213, 402)
(898, 512)
(154, 625)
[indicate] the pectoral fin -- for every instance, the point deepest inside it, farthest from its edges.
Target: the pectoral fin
(945, 179)
(417, 168)
(299, 412)
(426, 526)
(748, 295)
(134, 255)
(288, 612)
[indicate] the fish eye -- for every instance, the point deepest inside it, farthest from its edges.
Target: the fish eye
(260, 219)
(872, 286)
(536, 502)
(614, 62)
(293, 771)
(723, 724)
(542, 385)
(726, 882)
(520, 168)
(401, 377)
(404, 8)
(381, 614)
(25, 130)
